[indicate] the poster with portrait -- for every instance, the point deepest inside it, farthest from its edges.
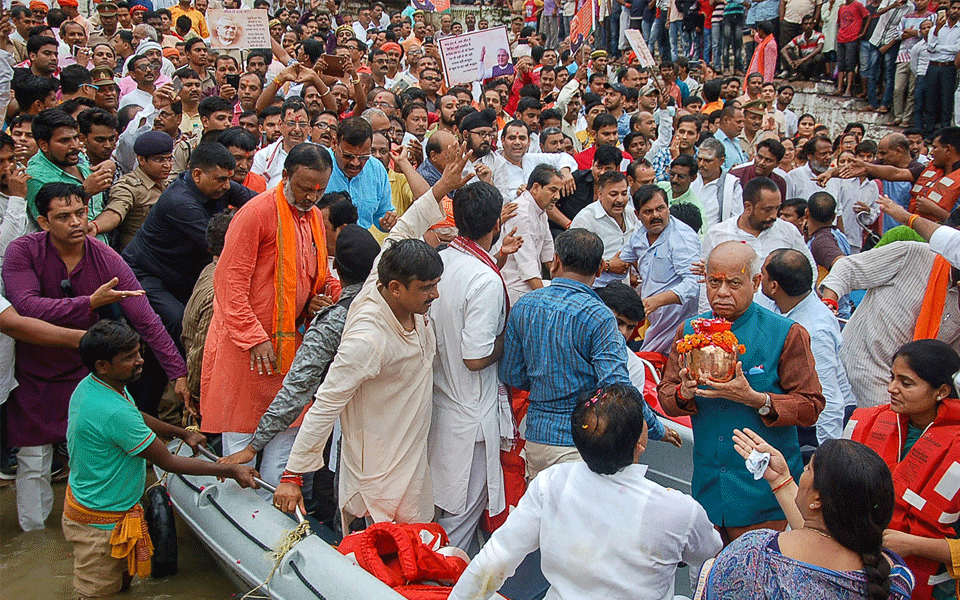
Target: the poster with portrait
(582, 25)
(238, 28)
(477, 55)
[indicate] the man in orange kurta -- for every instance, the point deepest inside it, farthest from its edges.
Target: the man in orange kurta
(270, 279)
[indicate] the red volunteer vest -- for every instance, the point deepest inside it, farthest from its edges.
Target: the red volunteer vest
(942, 188)
(926, 481)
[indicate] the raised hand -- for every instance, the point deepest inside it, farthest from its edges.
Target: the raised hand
(511, 243)
(746, 441)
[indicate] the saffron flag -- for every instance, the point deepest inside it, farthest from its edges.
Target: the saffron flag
(581, 26)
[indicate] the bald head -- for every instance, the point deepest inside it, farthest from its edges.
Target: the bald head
(733, 277)
(441, 148)
(790, 270)
(896, 141)
(733, 257)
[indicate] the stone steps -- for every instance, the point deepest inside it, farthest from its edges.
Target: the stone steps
(835, 112)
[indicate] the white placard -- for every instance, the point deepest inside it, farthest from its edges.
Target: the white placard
(475, 56)
(239, 28)
(639, 46)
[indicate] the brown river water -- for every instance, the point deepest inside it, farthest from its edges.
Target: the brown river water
(39, 565)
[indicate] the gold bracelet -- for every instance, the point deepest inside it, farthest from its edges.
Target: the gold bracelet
(912, 219)
(787, 479)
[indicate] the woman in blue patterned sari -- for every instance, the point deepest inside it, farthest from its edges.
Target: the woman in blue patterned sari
(834, 550)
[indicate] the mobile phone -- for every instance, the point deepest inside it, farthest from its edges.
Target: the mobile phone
(177, 85)
(233, 80)
(334, 65)
(428, 39)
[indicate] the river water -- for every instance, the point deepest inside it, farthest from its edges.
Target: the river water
(39, 565)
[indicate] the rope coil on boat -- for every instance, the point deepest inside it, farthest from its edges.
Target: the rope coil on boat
(287, 542)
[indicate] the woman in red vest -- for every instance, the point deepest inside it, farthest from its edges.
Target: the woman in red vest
(918, 435)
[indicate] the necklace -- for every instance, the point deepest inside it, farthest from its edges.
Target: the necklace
(826, 535)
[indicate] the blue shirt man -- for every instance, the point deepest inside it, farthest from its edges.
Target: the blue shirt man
(664, 266)
(731, 126)
(369, 189)
(783, 285)
(560, 342)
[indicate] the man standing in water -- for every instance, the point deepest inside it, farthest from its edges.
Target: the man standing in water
(110, 442)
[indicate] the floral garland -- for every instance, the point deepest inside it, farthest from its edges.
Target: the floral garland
(711, 332)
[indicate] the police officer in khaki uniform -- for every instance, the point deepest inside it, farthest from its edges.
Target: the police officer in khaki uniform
(134, 195)
(753, 113)
(105, 24)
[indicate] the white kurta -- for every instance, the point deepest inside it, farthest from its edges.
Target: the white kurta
(268, 163)
(573, 515)
(802, 183)
(526, 263)
(468, 316)
(508, 177)
(380, 384)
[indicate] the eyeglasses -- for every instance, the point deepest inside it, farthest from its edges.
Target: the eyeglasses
(66, 288)
(148, 67)
(384, 132)
(383, 104)
(484, 134)
(433, 79)
(362, 158)
(298, 124)
(161, 159)
(320, 125)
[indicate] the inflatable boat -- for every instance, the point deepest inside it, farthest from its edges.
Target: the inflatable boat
(241, 530)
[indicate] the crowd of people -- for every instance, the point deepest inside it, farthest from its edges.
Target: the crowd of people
(373, 285)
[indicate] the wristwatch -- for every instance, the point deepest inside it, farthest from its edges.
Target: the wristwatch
(766, 408)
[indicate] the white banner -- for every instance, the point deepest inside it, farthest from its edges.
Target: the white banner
(238, 28)
(477, 55)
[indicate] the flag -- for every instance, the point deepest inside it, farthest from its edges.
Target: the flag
(581, 26)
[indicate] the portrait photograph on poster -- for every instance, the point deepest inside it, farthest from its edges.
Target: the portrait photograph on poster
(483, 54)
(238, 28)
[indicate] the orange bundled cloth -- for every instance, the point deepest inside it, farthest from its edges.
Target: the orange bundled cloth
(130, 537)
(285, 280)
(931, 311)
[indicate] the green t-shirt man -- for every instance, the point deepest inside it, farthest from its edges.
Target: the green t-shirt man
(105, 435)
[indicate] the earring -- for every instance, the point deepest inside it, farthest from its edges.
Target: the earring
(813, 505)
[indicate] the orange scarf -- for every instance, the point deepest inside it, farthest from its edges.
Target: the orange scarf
(285, 277)
(931, 311)
(759, 62)
(130, 537)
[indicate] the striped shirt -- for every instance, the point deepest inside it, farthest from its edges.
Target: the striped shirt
(717, 17)
(804, 45)
(895, 277)
(560, 342)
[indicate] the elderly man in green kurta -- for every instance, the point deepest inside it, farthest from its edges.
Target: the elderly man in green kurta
(60, 160)
(775, 389)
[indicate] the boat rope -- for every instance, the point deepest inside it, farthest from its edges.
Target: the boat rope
(289, 540)
(163, 478)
